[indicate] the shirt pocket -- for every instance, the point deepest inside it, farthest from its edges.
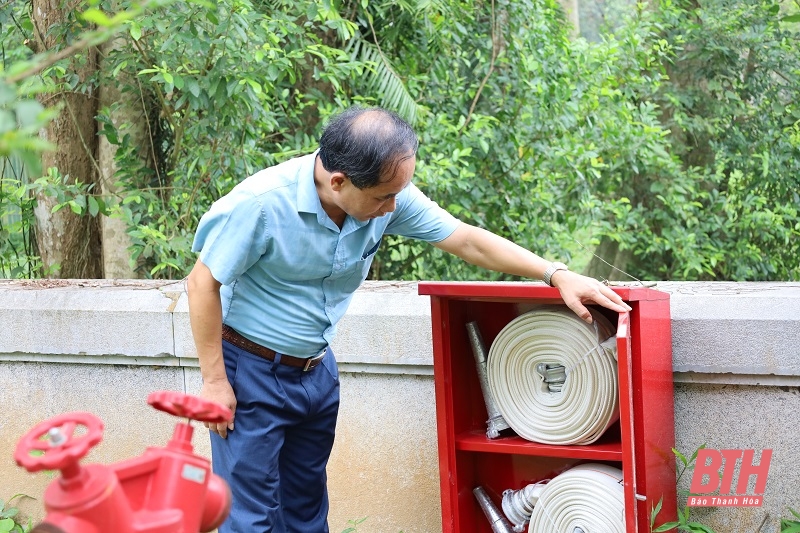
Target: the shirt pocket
(369, 253)
(361, 268)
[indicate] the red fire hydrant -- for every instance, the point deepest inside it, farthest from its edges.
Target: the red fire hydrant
(165, 490)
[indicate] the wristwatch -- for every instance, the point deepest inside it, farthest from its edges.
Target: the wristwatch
(552, 269)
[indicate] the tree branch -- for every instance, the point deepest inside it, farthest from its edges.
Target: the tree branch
(495, 52)
(92, 39)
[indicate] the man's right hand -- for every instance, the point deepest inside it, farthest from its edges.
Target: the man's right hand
(220, 392)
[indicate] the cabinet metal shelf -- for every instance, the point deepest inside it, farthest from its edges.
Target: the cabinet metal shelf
(476, 441)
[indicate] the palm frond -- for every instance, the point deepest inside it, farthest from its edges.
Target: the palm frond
(382, 80)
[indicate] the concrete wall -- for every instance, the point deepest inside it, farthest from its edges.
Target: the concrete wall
(102, 346)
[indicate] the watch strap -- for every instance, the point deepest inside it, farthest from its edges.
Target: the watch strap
(552, 269)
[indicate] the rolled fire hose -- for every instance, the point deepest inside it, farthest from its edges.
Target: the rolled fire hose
(587, 498)
(554, 377)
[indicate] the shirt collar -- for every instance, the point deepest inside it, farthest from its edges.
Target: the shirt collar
(307, 196)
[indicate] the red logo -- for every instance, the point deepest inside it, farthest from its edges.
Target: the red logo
(720, 476)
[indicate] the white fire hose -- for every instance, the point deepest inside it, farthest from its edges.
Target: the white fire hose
(587, 498)
(554, 377)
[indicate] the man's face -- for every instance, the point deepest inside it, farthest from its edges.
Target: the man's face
(366, 204)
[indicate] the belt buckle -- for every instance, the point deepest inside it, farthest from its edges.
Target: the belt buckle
(312, 359)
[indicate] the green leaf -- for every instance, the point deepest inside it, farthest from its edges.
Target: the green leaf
(94, 207)
(96, 16)
(697, 527)
(254, 85)
(193, 87)
(28, 112)
(7, 120)
(119, 67)
(666, 527)
(694, 455)
(655, 511)
(135, 30)
(680, 456)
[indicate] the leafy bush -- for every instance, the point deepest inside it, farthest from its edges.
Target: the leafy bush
(9, 517)
(789, 525)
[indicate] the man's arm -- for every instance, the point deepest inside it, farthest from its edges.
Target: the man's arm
(205, 316)
(487, 250)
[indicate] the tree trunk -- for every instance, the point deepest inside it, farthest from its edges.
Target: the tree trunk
(606, 254)
(572, 12)
(69, 244)
(128, 117)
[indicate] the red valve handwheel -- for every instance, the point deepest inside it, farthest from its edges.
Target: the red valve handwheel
(56, 456)
(188, 406)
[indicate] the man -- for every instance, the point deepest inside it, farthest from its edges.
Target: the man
(280, 257)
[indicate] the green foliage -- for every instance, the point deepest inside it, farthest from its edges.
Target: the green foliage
(789, 525)
(18, 198)
(352, 525)
(9, 519)
(21, 115)
(684, 522)
(731, 106)
(18, 257)
(235, 87)
(548, 136)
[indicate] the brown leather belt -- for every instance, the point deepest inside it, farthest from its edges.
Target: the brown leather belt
(233, 337)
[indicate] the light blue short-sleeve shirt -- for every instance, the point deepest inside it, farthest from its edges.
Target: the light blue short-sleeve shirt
(288, 272)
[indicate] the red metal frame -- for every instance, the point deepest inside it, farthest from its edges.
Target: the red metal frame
(640, 443)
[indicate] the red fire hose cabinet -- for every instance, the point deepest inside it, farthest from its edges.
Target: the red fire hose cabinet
(639, 443)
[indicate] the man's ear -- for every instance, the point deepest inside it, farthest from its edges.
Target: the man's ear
(338, 180)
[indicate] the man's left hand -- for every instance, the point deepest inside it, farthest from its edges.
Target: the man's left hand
(577, 289)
